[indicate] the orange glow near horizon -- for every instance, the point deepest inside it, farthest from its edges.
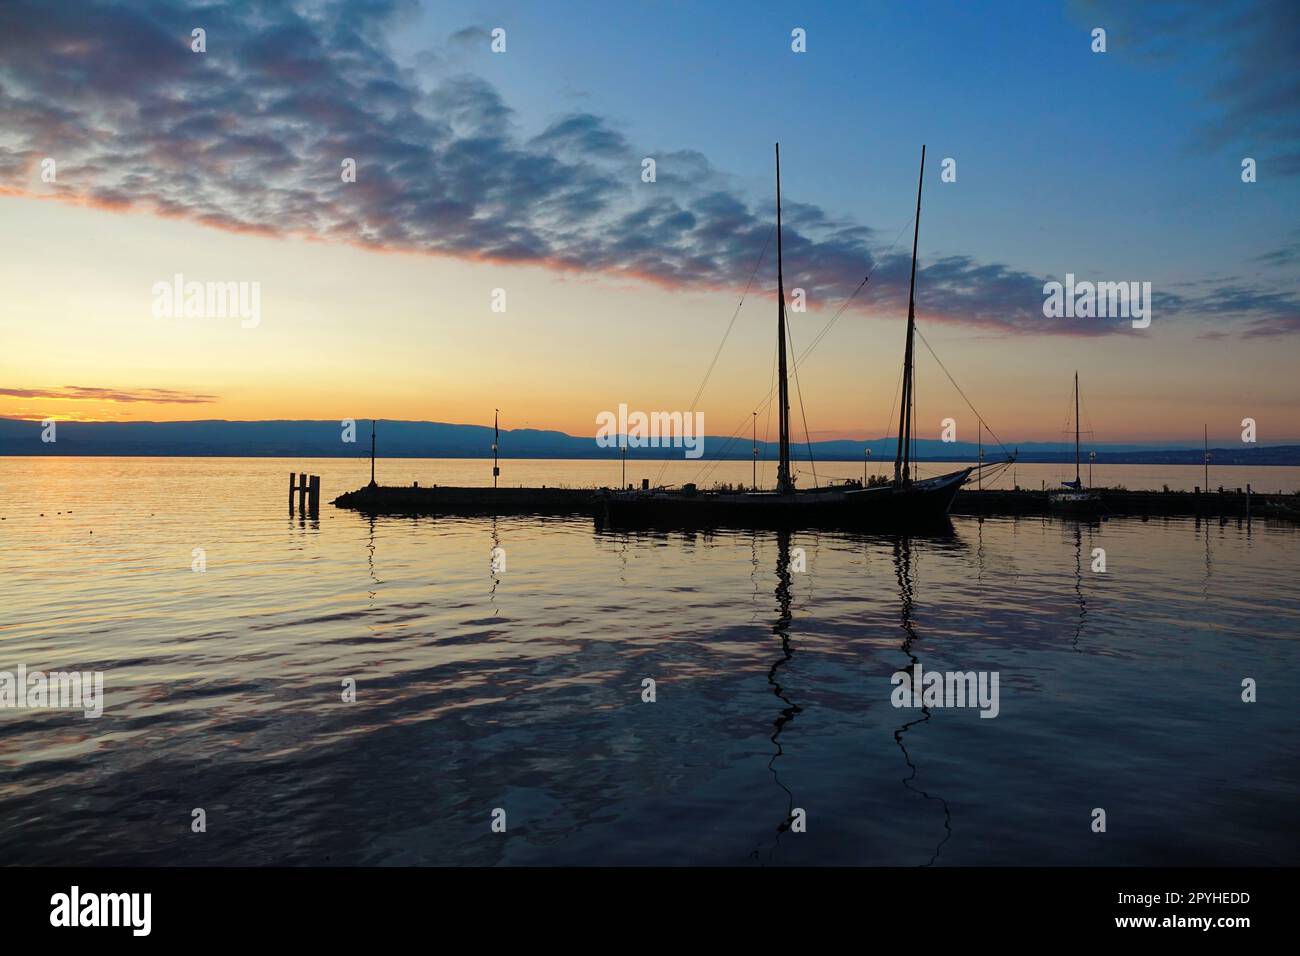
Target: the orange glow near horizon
(348, 333)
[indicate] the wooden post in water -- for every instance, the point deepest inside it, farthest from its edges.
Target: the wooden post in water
(308, 489)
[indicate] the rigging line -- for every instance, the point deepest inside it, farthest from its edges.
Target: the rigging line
(767, 423)
(1061, 471)
(708, 467)
(960, 392)
(1069, 414)
(829, 478)
(1089, 430)
(806, 352)
(730, 325)
(889, 422)
(754, 272)
(911, 422)
(803, 411)
(827, 327)
(870, 273)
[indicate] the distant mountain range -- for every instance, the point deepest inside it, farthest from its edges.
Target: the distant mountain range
(397, 439)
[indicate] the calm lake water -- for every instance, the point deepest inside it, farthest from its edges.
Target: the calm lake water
(521, 687)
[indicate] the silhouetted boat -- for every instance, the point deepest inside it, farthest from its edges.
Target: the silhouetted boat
(904, 502)
(1077, 499)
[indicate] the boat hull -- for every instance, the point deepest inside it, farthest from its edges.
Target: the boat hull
(1076, 502)
(920, 504)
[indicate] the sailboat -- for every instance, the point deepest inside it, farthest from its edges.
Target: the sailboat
(903, 503)
(1076, 498)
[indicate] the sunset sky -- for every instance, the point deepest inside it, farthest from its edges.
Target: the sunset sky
(521, 171)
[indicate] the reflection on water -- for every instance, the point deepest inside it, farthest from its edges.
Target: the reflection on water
(1078, 582)
(518, 685)
(903, 570)
(781, 628)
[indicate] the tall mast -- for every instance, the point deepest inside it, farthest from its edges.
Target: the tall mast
(496, 441)
(902, 461)
(1207, 458)
(1077, 483)
(372, 452)
(783, 483)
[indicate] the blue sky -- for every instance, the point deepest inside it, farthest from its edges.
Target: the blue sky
(1104, 152)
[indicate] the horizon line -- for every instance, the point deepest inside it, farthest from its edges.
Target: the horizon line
(1277, 443)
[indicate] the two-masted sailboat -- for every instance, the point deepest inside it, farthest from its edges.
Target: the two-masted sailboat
(904, 502)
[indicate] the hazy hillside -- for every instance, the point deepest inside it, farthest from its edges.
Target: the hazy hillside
(397, 439)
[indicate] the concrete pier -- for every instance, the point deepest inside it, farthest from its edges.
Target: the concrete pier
(416, 500)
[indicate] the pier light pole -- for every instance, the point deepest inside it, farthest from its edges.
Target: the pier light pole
(1092, 456)
(372, 453)
(754, 478)
(496, 440)
(866, 457)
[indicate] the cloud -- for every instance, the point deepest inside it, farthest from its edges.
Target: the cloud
(1251, 49)
(155, 396)
(250, 137)
(1251, 313)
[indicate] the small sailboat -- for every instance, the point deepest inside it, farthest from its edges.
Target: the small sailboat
(903, 503)
(1075, 498)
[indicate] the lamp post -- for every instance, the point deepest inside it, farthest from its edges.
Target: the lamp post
(372, 453)
(866, 456)
(1092, 456)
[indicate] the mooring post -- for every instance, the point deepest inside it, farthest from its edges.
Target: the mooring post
(313, 494)
(290, 492)
(302, 491)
